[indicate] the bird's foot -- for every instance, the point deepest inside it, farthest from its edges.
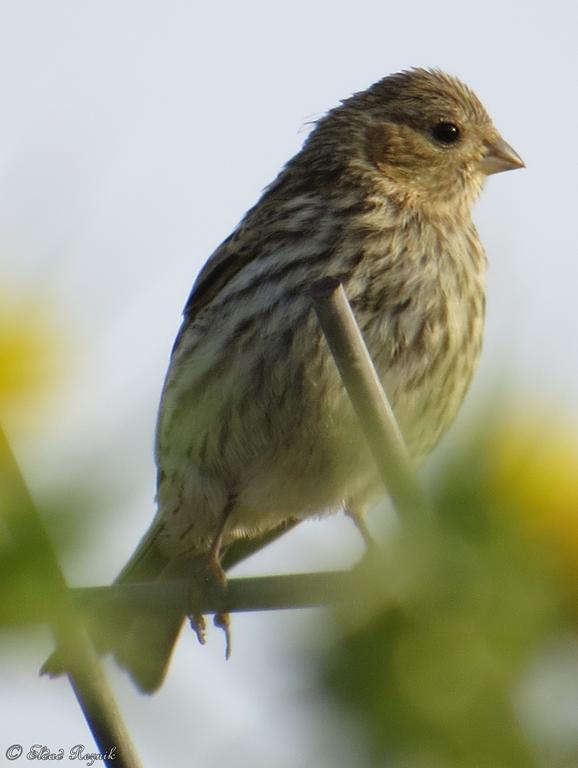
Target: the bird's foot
(217, 575)
(213, 576)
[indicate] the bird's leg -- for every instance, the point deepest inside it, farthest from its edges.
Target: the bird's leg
(214, 572)
(358, 517)
(214, 568)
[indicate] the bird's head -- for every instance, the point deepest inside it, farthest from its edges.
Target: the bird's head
(423, 136)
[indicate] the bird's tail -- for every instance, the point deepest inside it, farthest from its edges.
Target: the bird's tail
(145, 644)
(141, 642)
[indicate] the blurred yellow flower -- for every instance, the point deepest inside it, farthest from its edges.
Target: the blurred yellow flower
(31, 356)
(534, 473)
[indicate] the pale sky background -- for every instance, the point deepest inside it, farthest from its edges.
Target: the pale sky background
(133, 136)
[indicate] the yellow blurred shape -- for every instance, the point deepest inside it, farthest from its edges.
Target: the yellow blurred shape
(31, 355)
(534, 470)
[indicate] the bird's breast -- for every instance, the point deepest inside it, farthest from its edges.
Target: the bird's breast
(419, 299)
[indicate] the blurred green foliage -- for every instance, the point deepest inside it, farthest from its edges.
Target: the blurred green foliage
(446, 624)
(25, 584)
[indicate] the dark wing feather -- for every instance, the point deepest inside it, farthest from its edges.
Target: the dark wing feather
(239, 249)
(227, 261)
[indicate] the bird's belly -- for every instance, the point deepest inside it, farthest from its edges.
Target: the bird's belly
(313, 477)
(319, 469)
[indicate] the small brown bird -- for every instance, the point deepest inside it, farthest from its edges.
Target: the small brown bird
(254, 426)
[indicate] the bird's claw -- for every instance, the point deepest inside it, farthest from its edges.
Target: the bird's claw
(223, 621)
(199, 627)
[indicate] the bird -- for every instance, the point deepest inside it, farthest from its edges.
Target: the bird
(255, 430)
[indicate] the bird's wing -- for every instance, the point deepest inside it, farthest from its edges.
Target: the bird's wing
(231, 256)
(239, 249)
(228, 260)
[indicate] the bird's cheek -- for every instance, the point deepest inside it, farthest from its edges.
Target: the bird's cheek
(388, 149)
(379, 145)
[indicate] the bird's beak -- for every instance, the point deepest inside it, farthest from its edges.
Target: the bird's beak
(500, 157)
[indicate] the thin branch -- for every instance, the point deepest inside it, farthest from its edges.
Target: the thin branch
(25, 527)
(369, 400)
(266, 593)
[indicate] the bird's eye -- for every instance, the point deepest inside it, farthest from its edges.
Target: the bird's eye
(446, 133)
